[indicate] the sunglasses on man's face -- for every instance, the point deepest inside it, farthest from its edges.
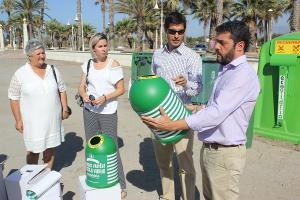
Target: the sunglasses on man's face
(173, 32)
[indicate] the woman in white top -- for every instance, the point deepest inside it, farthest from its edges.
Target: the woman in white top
(37, 107)
(100, 85)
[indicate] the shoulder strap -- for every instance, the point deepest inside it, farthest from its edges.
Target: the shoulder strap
(54, 74)
(87, 71)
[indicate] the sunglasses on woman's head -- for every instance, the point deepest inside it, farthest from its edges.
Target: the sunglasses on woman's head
(173, 32)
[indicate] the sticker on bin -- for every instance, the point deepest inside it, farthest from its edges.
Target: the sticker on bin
(287, 47)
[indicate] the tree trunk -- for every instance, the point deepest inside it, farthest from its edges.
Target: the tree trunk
(103, 10)
(30, 29)
(252, 27)
(205, 23)
(42, 20)
(140, 22)
(149, 40)
(79, 33)
(19, 39)
(10, 36)
(219, 12)
(111, 24)
(212, 33)
(296, 17)
(42, 13)
(10, 31)
(266, 30)
(129, 40)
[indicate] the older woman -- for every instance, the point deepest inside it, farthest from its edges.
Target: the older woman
(37, 106)
(101, 83)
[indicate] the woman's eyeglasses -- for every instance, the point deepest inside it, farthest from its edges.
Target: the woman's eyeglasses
(173, 32)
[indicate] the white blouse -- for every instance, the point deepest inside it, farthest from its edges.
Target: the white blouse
(102, 82)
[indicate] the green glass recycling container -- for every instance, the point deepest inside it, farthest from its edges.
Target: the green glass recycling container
(277, 109)
(101, 162)
(147, 94)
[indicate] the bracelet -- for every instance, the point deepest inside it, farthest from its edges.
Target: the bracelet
(104, 97)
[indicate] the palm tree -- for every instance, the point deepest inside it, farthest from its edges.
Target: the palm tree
(220, 11)
(138, 10)
(88, 30)
(206, 12)
(270, 11)
(17, 22)
(151, 24)
(61, 35)
(124, 29)
(7, 6)
(202, 10)
(103, 10)
(29, 8)
(52, 29)
(173, 5)
(290, 9)
(248, 11)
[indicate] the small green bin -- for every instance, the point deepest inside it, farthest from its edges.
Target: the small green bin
(101, 162)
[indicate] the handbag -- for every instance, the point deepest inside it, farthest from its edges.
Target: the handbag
(78, 98)
(69, 110)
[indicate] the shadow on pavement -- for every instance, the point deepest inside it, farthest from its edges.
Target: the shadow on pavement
(65, 154)
(120, 142)
(3, 158)
(148, 179)
(68, 196)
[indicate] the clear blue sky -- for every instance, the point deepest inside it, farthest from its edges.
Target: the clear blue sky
(64, 10)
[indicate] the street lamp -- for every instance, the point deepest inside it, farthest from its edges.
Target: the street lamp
(76, 20)
(161, 20)
(270, 21)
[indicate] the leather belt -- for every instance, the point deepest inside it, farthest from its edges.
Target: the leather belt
(216, 145)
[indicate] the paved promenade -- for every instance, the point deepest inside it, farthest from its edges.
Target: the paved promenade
(272, 171)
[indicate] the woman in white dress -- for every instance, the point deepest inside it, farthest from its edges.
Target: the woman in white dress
(37, 107)
(100, 85)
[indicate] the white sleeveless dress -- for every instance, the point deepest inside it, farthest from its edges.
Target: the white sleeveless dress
(40, 107)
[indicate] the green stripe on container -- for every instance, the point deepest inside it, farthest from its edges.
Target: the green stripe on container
(157, 108)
